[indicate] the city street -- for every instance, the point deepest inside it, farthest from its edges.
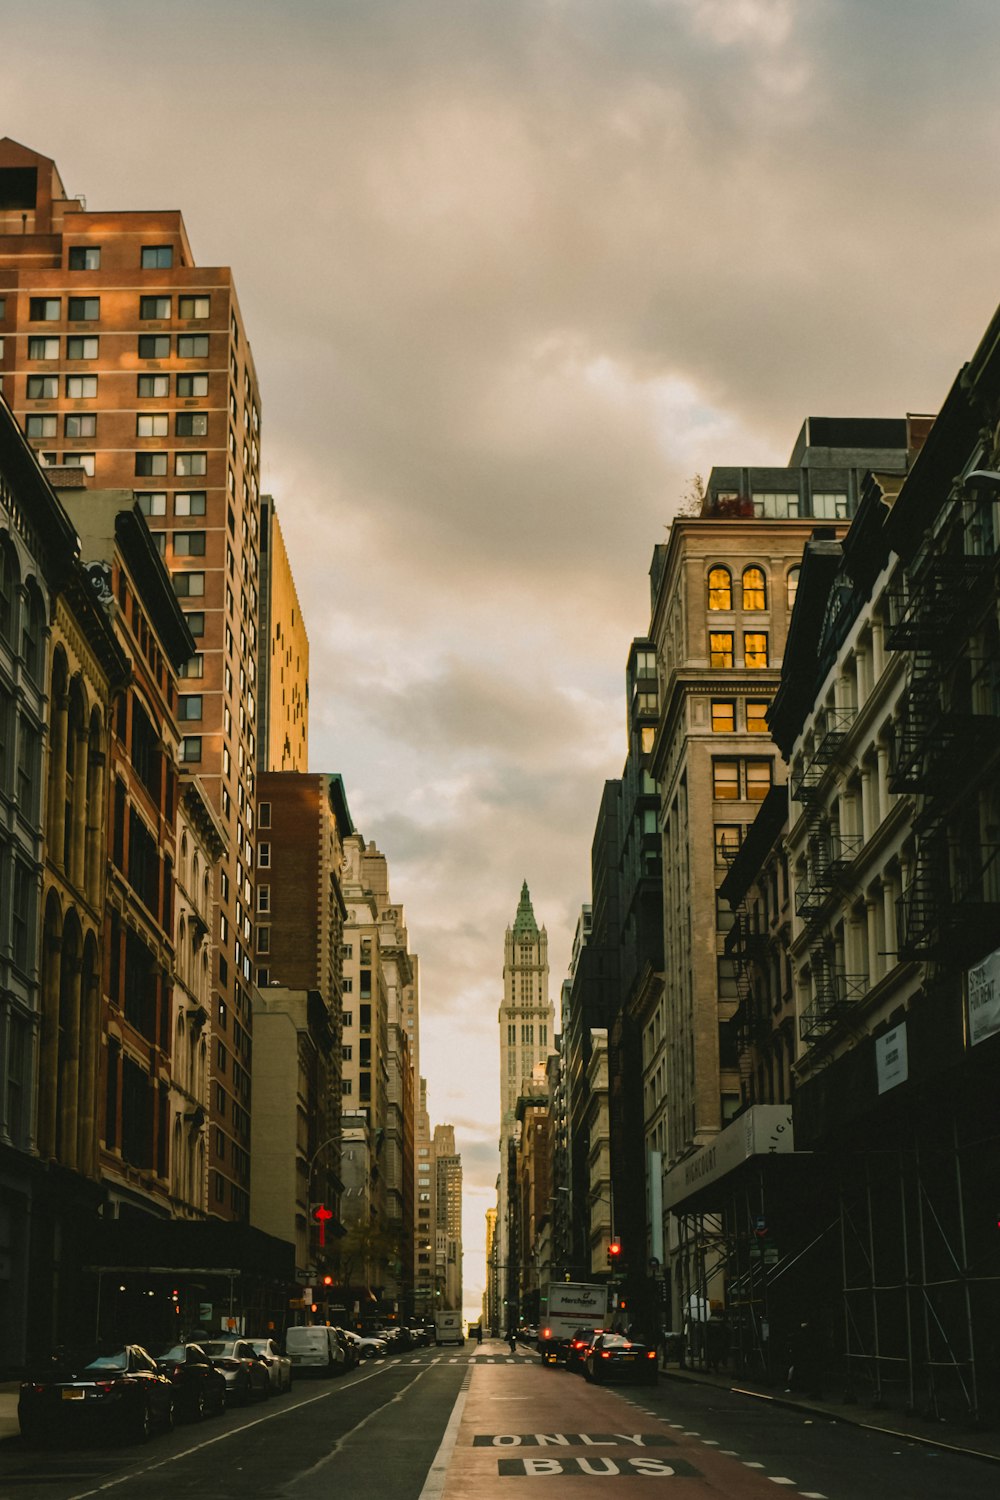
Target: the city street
(440, 1425)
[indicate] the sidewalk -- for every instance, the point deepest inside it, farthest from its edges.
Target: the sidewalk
(944, 1435)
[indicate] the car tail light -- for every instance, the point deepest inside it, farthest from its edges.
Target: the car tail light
(605, 1354)
(104, 1386)
(546, 1333)
(650, 1353)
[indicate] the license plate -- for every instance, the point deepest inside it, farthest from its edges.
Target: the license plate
(73, 1395)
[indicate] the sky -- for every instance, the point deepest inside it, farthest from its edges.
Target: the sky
(514, 271)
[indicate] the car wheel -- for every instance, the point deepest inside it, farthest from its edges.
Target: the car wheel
(142, 1424)
(198, 1407)
(170, 1417)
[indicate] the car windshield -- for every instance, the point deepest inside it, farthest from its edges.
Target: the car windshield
(116, 1361)
(178, 1354)
(615, 1341)
(260, 1346)
(217, 1347)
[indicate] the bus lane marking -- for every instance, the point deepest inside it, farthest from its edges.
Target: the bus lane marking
(623, 1468)
(571, 1439)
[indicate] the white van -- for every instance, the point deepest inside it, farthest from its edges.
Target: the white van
(316, 1348)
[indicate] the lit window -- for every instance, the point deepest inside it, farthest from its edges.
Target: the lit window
(758, 779)
(43, 348)
(81, 387)
(153, 385)
(150, 464)
(154, 346)
(723, 718)
(84, 258)
(82, 346)
(155, 308)
(755, 650)
(157, 257)
(193, 307)
(721, 649)
(84, 309)
(192, 345)
(189, 503)
(720, 589)
(152, 502)
(192, 385)
(757, 717)
(725, 780)
(190, 463)
(754, 589)
(45, 309)
(42, 387)
(152, 424)
(81, 424)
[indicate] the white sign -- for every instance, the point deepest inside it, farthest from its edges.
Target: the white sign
(984, 999)
(765, 1129)
(890, 1059)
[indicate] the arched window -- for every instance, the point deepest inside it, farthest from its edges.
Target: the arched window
(792, 585)
(720, 589)
(32, 627)
(9, 579)
(754, 589)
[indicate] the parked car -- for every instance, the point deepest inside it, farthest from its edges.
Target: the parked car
(576, 1349)
(97, 1393)
(370, 1347)
(614, 1357)
(353, 1343)
(277, 1365)
(315, 1350)
(245, 1372)
(199, 1388)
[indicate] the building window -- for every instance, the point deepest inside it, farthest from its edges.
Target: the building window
(720, 648)
(154, 309)
(82, 346)
(720, 589)
(189, 544)
(152, 424)
(263, 856)
(725, 780)
(346, 1086)
(157, 257)
(84, 258)
(754, 589)
(348, 1018)
(192, 385)
(723, 717)
(43, 348)
(192, 424)
(192, 346)
(190, 463)
(263, 939)
(189, 706)
(81, 424)
(40, 426)
(782, 505)
(758, 779)
(150, 464)
(264, 815)
(43, 387)
(152, 502)
(755, 650)
(263, 898)
(153, 385)
(829, 507)
(193, 307)
(195, 621)
(727, 842)
(81, 387)
(193, 667)
(84, 309)
(191, 747)
(189, 503)
(757, 717)
(189, 585)
(84, 461)
(792, 586)
(154, 346)
(45, 309)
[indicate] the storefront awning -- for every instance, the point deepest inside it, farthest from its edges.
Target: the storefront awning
(763, 1130)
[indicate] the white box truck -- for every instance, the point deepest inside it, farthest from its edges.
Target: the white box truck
(448, 1327)
(570, 1305)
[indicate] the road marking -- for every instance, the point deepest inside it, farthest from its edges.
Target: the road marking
(438, 1471)
(811, 1495)
(749, 1464)
(221, 1438)
(710, 1442)
(729, 1452)
(774, 1478)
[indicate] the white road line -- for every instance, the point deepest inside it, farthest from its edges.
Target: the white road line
(710, 1442)
(811, 1495)
(729, 1452)
(211, 1442)
(749, 1464)
(438, 1471)
(776, 1480)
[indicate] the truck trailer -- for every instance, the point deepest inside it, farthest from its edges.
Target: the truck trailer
(570, 1305)
(448, 1327)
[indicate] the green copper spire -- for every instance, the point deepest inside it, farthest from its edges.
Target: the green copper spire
(525, 925)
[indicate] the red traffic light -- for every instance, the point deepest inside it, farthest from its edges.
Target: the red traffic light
(328, 1280)
(614, 1252)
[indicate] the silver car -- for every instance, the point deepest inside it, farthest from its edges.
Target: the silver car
(246, 1376)
(278, 1365)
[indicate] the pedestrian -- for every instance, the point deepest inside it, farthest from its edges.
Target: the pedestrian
(479, 1333)
(512, 1340)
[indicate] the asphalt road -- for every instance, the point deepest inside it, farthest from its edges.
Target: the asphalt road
(438, 1424)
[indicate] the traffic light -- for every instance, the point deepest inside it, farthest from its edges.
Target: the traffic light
(328, 1280)
(615, 1253)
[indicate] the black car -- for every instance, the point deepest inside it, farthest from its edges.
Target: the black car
(578, 1347)
(199, 1387)
(97, 1392)
(614, 1357)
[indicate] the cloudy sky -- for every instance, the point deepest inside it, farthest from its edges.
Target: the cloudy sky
(514, 271)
